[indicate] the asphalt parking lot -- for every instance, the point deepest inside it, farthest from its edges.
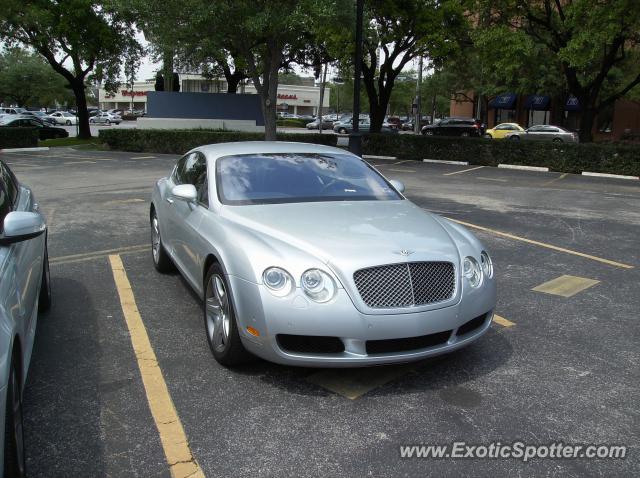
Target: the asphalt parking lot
(561, 364)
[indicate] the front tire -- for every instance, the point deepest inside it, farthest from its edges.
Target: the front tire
(44, 299)
(161, 260)
(14, 462)
(342, 131)
(220, 320)
(557, 140)
(68, 123)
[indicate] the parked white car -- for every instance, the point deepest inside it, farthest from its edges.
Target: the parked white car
(105, 118)
(64, 117)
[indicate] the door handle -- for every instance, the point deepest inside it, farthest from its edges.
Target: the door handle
(169, 200)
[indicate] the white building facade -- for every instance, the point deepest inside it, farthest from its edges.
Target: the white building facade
(295, 99)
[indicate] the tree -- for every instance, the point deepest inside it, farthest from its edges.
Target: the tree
(75, 38)
(27, 80)
(592, 46)
(159, 84)
(396, 33)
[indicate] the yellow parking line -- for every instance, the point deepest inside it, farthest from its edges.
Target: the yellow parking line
(174, 440)
(402, 170)
(88, 256)
(498, 319)
(562, 176)
(566, 285)
(405, 161)
(543, 244)
(144, 157)
(463, 171)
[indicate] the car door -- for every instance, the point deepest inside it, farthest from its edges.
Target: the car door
(25, 259)
(535, 133)
(441, 128)
(501, 130)
(184, 218)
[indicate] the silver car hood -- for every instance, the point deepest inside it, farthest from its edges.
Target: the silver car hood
(350, 235)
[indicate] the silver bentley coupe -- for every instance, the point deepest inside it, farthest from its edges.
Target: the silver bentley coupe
(306, 255)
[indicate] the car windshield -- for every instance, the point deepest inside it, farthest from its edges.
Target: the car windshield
(298, 177)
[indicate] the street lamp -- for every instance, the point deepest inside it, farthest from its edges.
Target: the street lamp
(355, 140)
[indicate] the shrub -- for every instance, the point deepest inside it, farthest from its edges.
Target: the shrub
(566, 157)
(181, 141)
(18, 137)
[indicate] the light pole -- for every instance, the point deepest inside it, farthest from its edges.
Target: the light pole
(355, 140)
(416, 125)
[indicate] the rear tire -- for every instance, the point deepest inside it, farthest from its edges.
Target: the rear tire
(44, 299)
(68, 123)
(220, 320)
(514, 138)
(557, 140)
(14, 462)
(161, 260)
(342, 131)
(464, 134)
(488, 136)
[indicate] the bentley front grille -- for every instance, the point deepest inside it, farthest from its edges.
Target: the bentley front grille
(406, 285)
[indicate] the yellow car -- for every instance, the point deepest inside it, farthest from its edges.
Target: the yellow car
(499, 131)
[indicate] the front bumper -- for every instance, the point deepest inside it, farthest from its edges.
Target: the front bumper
(367, 339)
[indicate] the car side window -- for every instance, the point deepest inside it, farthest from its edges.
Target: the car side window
(5, 205)
(192, 169)
(178, 171)
(10, 183)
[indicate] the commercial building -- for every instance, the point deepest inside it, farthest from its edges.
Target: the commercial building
(528, 110)
(295, 99)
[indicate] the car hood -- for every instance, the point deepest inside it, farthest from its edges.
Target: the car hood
(349, 235)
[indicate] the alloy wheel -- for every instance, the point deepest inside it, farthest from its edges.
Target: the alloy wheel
(155, 239)
(218, 313)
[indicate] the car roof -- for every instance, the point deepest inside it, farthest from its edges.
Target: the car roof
(214, 151)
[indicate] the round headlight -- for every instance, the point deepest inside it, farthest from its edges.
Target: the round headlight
(278, 281)
(472, 271)
(487, 264)
(318, 285)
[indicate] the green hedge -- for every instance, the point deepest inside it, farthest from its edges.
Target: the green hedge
(567, 157)
(18, 137)
(292, 123)
(181, 141)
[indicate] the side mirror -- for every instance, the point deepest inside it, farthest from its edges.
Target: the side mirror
(185, 192)
(398, 185)
(21, 226)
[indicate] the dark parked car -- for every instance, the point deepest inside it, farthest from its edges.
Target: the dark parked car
(454, 127)
(44, 131)
(42, 116)
(544, 132)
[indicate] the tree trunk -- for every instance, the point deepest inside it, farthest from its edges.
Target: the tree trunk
(377, 112)
(587, 119)
(232, 84)
(84, 131)
(167, 70)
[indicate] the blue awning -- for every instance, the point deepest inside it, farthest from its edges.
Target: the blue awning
(572, 104)
(505, 101)
(537, 102)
